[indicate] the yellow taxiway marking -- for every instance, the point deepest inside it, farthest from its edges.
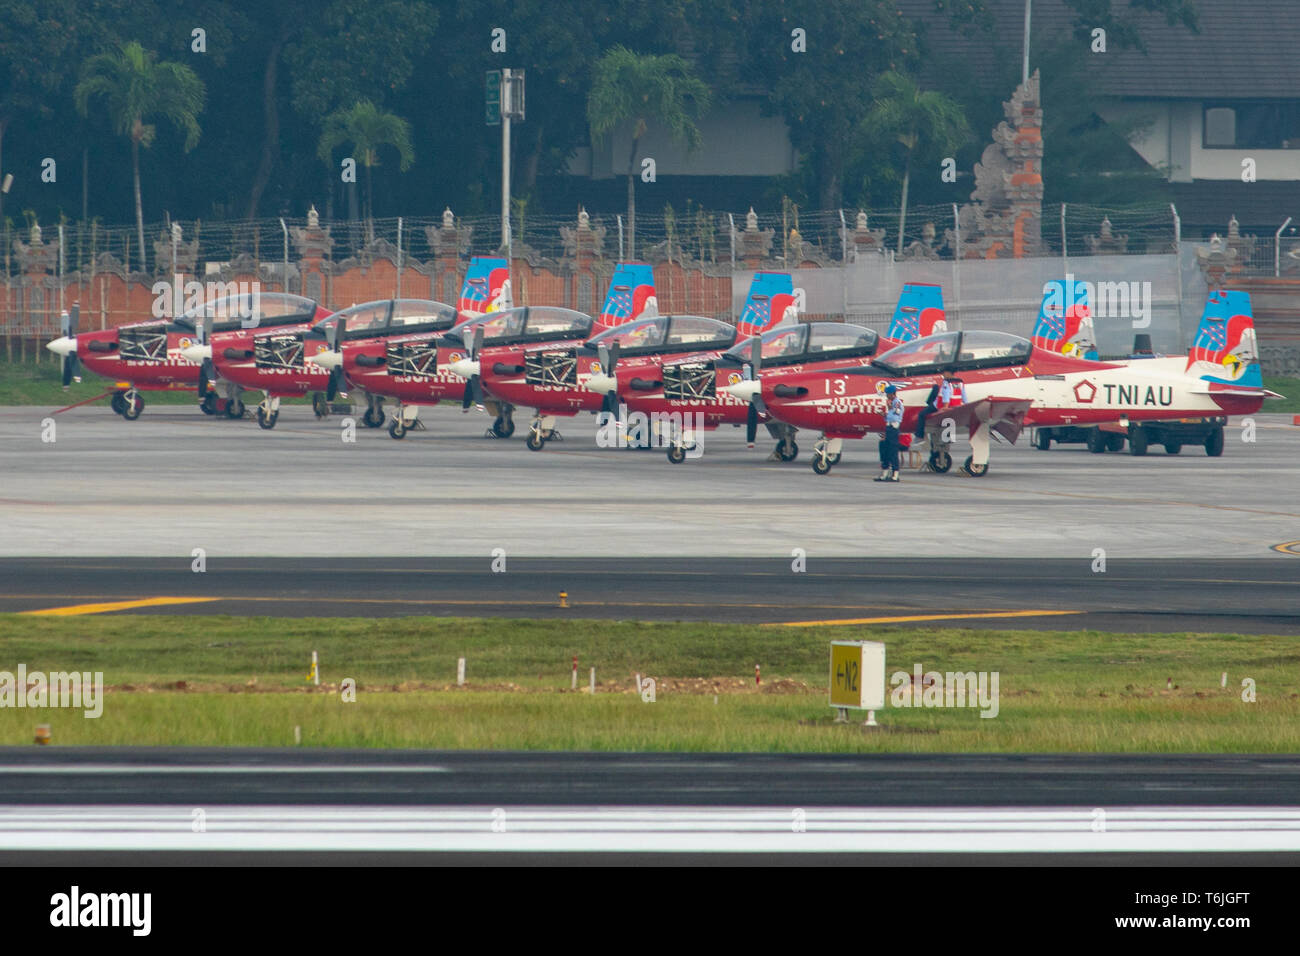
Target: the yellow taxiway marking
(1288, 547)
(117, 606)
(918, 617)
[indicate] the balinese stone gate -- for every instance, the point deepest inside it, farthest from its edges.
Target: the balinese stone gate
(1005, 218)
(110, 294)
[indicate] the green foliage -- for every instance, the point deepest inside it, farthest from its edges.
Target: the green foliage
(367, 129)
(132, 86)
(639, 88)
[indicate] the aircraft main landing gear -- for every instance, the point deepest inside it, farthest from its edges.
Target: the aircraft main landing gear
(502, 427)
(374, 416)
(787, 450)
(940, 461)
(235, 408)
(132, 405)
(118, 402)
(318, 405)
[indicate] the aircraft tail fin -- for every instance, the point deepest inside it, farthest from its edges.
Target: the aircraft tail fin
(486, 287)
(631, 294)
(772, 299)
(919, 312)
(1064, 323)
(1225, 349)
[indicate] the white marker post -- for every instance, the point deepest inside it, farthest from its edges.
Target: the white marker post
(315, 671)
(593, 681)
(575, 671)
(1223, 680)
(638, 683)
(460, 672)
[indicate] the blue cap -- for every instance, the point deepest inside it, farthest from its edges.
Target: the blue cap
(890, 390)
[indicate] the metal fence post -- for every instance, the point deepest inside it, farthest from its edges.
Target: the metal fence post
(284, 281)
(619, 217)
(1277, 248)
(731, 292)
(1065, 248)
(956, 263)
(399, 257)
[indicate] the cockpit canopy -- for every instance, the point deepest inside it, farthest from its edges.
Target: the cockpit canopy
(955, 352)
(808, 342)
(249, 310)
(667, 333)
(532, 323)
(389, 317)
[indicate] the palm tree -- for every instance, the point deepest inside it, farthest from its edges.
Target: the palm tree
(635, 88)
(920, 120)
(366, 128)
(134, 87)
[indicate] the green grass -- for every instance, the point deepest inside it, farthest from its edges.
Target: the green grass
(1289, 387)
(40, 384)
(244, 684)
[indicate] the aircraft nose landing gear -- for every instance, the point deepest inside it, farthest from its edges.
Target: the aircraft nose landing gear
(541, 431)
(826, 454)
(132, 404)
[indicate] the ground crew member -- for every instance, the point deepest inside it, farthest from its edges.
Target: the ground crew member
(889, 444)
(941, 396)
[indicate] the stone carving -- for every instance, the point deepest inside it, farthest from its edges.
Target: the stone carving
(1004, 219)
(1106, 243)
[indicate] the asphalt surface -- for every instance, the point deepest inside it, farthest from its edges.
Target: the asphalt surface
(176, 480)
(1159, 596)
(205, 777)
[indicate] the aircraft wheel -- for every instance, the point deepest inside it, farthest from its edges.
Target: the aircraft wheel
(1214, 442)
(132, 407)
(118, 402)
(787, 450)
(397, 429)
(319, 405)
(1137, 441)
(1114, 441)
(677, 454)
(503, 427)
(535, 440)
(235, 409)
(1173, 448)
(835, 458)
(1096, 441)
(265, 420)
(974, 470)
(940, 461)
(821, 464)
(373, 418)
(1042, 439)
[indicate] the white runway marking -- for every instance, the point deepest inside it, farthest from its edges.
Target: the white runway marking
(654, 829)
(149, 768)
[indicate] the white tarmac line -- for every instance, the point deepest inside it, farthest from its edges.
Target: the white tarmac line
(652, 829)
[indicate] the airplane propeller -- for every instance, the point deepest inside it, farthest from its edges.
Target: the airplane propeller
(753, 372)
(608, 361)
(336, 373)
(473, 388)
(69, 323)
(202, 332)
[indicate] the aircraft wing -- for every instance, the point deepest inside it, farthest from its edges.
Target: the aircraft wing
(1006, 416)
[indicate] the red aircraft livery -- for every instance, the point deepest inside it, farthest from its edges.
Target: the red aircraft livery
(149, 356)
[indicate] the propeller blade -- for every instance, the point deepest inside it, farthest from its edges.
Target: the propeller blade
(340, 329)
(476, 345)
(335, 384)
(756, 355)
(68, 361)
(751, 424)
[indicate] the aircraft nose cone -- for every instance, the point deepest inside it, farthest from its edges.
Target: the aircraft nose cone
(326, 359)
(465, 368)
(601, 384)
(743, 390)
(64, 346)
(196, 353)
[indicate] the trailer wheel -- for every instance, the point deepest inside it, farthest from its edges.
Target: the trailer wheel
(1042, 439)
(1114, 441)
(1172, 448)
(1096, 441)
(1214, 442)
(1137, 441)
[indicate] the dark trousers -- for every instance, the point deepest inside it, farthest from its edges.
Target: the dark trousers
(889, 448)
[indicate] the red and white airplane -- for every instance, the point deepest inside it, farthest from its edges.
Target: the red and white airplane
(279, 363)
(150, 356)
(689, 390)
(417, 370)
(1008, 383)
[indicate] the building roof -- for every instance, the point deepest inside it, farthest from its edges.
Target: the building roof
(1245, 49)
(1260, 207)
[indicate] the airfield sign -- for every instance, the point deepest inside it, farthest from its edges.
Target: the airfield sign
(493, 92)
(857, 675)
